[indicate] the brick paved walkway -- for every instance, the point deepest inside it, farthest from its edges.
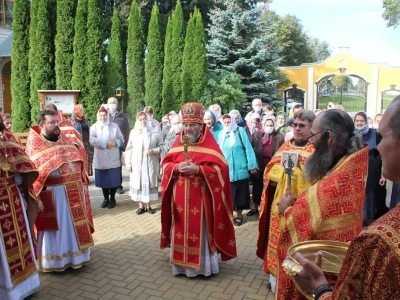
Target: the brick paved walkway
(127, 263)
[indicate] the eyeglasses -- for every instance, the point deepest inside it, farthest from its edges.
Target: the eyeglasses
(313, 135)
(300, 125)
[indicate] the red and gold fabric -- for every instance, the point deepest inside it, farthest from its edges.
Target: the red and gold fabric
(13, 227)
(275, 184)
(331, 209)
(371, 269)
(188, 200)
(66, 158)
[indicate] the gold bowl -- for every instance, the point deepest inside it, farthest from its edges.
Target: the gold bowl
(333, 254)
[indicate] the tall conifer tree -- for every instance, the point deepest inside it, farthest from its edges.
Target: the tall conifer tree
(154, 64)
(194, 64)
(20, 87)
(167, 103)
(115, 76)
(64, 48)
(42, 64)
(136, 75)
(94, 60)
(79, 46)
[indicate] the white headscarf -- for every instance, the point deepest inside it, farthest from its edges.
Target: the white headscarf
(231, 130)
(102, 127)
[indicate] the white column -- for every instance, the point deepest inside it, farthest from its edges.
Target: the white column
(310, 104)
(373, 100)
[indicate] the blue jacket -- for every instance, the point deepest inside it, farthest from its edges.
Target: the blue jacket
(216, 130)
(240, 156)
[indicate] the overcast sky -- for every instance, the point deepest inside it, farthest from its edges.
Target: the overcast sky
(365, 32)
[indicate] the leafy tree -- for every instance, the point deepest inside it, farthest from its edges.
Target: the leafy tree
(79, 47)
(42, 58)
(342, 84)
(20, 87)
(320, 50)
(64, 48)
(154, 64)
(194, 63)
(392, 12)
(92, 99)
(240, 44)
(227, 92)
(174, 44)
(135, 62)
(115, 76)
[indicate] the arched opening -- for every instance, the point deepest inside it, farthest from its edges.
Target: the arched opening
(6, 77)
(350, 91)
(387, 96)
(293, 96)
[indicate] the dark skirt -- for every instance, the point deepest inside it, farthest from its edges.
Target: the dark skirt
(108, 178)
(240, 194)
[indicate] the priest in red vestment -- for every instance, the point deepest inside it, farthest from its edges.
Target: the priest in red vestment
(64, 224)
(18, 274)
(275, 185)
(371, 269)
(196, 213)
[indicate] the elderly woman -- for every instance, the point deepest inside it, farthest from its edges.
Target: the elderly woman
(175, 130)
(212, 123)
(375, 197)
(240, 121)
(142, 162)
(106, 138)
(81, 124)
(236, 147)
(265, 143)
(280, 123)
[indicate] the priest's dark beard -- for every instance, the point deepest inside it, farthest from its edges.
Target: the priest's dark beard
(319, 163)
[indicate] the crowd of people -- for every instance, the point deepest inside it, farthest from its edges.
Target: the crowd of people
(308, 175)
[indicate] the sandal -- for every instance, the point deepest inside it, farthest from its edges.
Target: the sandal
(238, 221)
(140, 211)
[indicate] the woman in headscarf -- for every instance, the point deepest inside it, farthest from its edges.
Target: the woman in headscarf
(236, 147)
(265, 143)
(106, 138)
(374, 198)
(212, 123)
(240, 121)
(280, 123)
(81, 124)
(143, 164)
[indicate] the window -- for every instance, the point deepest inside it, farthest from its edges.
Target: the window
(6, 12)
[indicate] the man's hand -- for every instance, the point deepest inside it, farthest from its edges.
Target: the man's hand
(382, 181)
(129, 169)
(111, 144)
(187, 167)
(287, 200)
(311, 276)
(150, 152)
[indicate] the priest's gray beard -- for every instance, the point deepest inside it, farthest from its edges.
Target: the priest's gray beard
(193, 138)
(319, 163)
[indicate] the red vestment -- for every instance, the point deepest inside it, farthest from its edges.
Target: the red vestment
(66, 158)
(188, 200)
(275, 183)
(13, 227)
(331, 209)
(371, 269)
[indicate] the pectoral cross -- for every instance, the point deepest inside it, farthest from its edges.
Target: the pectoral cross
(185, 143)
(289, 171)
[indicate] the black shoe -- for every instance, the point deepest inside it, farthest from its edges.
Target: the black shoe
(238, 221)
(120, 190)
(252, 212)
(140, 211)
(151, 211)
(205, 277)
(105, 203)
(269, 286)
(112, 203)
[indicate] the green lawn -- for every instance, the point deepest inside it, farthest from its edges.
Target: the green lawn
(349, 103)
(387, 98)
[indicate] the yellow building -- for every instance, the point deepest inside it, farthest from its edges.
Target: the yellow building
(342, 79)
